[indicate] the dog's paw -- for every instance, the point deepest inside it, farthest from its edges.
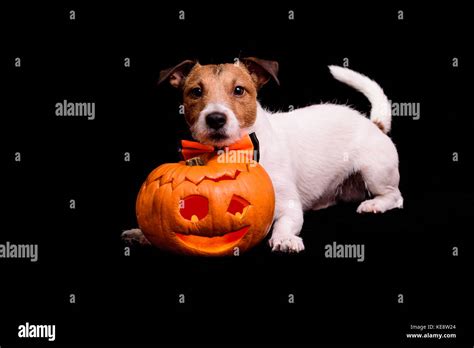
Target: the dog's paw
(379, 204)
(288, 243)
(369, 206)
(134, 236)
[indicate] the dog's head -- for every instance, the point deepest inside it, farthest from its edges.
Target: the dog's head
(220, 101)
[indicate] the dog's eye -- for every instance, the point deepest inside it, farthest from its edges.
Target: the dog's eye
(196, 92)
(239, 90)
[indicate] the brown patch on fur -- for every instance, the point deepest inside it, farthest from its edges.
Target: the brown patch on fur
(380, 125)
(218, 83)
(218, 69)
(352, 189)
(261, 70)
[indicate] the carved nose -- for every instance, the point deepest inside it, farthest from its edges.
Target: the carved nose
(216, 120)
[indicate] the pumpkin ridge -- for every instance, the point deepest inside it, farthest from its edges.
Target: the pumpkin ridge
(178, 181)
(159, 172)
(172, 174)
(232, 174)
(167, 174)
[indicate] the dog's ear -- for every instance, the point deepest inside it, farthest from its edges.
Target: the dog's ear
(177, 74)
(261, 70)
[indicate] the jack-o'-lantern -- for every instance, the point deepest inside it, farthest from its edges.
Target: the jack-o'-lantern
(209, 209)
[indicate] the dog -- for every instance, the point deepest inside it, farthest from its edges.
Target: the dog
(315, 156)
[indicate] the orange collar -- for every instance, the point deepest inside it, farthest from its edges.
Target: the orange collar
(248, 143)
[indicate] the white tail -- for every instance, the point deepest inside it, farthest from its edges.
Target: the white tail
(381, 113)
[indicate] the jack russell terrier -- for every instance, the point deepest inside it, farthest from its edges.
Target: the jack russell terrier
(347, 157)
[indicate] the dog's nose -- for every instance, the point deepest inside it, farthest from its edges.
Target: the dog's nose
(216, 120)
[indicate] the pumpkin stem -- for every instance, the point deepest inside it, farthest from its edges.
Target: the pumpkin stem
(195, 161)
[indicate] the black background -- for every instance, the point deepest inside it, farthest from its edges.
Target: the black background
(241, 299)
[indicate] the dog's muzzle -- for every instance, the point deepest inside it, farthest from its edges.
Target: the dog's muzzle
(216, 120)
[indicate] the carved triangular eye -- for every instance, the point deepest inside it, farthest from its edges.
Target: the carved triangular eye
(194, 208)
(237, 205)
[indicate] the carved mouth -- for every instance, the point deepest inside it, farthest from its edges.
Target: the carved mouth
(213, 244)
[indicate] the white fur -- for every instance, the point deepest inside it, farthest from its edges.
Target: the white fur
(201, 132)
(310, 151)
(381, 109)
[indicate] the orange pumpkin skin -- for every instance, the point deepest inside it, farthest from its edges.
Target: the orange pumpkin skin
(240, 207)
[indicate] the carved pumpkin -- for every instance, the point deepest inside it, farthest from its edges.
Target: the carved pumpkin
(209, 209)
